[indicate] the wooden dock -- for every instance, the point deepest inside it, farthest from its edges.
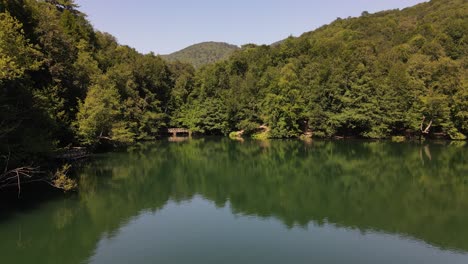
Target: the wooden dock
(175, 131)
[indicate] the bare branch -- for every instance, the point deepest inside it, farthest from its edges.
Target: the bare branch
(13, 177)
(426, 131)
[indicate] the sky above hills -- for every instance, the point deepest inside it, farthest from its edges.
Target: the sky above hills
(170, 25)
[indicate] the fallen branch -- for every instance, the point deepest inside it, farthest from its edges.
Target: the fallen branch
(425, 131)
(14, 177)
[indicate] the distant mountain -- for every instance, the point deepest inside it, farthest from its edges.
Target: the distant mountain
(203, 53)
(279, 42)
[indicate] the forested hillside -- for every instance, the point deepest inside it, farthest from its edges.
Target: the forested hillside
(62, 83)
(203, 53)
(374, 76)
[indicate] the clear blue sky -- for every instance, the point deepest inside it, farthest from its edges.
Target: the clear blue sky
(170, 25)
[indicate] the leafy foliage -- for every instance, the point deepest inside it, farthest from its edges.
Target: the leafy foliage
(98, 112)
(16, 54)
(63, 83)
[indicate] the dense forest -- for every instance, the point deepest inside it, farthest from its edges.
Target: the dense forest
(393, 73)
(203, 53)
(384, 74)
(64, 84)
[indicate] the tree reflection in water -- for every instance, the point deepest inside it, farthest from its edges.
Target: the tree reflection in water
(399, 188)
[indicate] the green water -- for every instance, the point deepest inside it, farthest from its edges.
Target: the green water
(222, 201)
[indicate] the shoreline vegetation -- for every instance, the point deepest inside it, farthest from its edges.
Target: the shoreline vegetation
(397, 74)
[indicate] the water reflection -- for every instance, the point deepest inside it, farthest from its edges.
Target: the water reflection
(405, 189)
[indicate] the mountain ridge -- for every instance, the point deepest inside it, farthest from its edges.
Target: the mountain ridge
(202, 53)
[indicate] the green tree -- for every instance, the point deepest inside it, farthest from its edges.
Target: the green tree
(17, 54)
(98, 112)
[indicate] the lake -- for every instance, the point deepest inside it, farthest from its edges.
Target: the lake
(215, 200)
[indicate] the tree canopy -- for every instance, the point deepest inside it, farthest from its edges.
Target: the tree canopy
(373, 76)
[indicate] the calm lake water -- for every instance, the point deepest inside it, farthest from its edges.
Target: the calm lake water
(221, 201)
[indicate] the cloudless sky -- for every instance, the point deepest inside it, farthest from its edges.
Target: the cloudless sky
(170, 25)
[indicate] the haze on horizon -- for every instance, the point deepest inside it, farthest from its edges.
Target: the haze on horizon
(164, 27)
